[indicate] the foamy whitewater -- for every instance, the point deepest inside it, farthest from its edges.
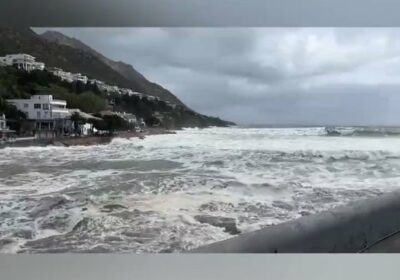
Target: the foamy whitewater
(143, 195)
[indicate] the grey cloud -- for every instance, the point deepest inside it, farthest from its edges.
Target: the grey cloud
(258, 75)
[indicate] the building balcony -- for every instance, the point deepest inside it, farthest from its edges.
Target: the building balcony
(59, 102)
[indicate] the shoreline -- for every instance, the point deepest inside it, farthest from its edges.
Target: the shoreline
(85, 140)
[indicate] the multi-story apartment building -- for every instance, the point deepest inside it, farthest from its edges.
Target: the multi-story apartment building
(45, 111)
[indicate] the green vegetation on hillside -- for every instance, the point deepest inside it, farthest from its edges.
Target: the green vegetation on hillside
(16, 83)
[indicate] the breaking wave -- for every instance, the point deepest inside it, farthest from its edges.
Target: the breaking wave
(363, 131)
(169, 193)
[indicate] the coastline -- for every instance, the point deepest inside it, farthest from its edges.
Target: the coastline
(85, 140)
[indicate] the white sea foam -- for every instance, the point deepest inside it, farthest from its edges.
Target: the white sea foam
(158, 185)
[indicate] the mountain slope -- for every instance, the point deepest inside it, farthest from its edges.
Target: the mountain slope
(126, 70)
(54, 55)
(94, 65)
(78, 60)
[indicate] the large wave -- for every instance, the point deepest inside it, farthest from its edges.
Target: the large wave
(362, 131)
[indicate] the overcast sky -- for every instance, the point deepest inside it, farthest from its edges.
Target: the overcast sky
(266, 75)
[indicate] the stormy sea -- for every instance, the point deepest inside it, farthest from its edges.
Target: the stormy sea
(174, 192)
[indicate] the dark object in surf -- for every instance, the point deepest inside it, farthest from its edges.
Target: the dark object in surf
(112, 207)
(228, 223)
(331, 131)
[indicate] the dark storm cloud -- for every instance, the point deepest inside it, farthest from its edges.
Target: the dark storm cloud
(266, 75)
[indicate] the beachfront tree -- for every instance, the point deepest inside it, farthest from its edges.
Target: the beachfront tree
(77, 120)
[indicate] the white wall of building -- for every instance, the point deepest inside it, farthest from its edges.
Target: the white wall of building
(42, 107)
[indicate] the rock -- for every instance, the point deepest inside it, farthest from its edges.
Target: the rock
(228, 223)
(112, 207)
(82, 224)
(58, 222)
(145, 234)
(24, 233)
(214, 206)
(282, 205)
(46, 204)
(112, 239)
(5, 241)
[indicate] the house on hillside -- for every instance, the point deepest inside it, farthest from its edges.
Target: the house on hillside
(22, 61)
(64, 76)
(97, 82)
(68, 76)
(172, 105)
(135, 93)
(47, 114)
(84, 127)
(79, 77)
(130, 118)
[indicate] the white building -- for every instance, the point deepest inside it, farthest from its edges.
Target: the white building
(63, 75)
(79, 77)
(97, 82)
(135, 93)
(150, 97)
(46, 112)
(22, 61)
(130, 118)
(68, 76)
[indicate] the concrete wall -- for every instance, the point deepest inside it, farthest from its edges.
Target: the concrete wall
(346, 229)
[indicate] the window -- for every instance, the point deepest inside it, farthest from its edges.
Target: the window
(45, 106)
(37, 106)
(38, 114)
(26, 105)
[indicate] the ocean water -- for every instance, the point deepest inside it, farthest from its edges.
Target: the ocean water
(146, 195)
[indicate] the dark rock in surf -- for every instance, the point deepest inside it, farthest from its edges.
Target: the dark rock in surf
(142, 236)
(111, 239)
(5, 241)
(282, 205)
(24, 233)
(82, 224)
(46, 204)
(58, 222)
(111, 207)
(224, 222)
